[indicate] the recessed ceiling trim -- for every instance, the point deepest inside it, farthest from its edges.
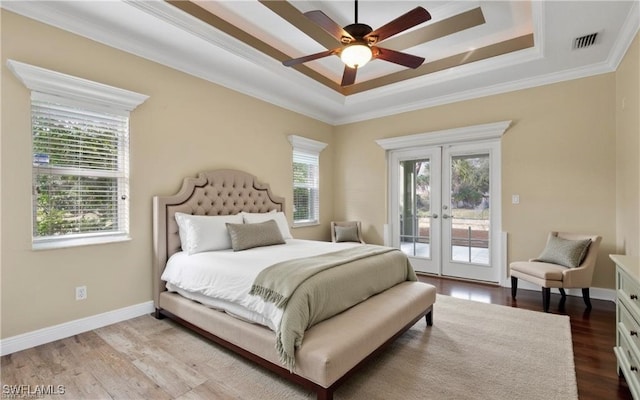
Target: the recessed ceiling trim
(507, 46)
(293, 16)
(229, 62)
(206, 16)
(437, 29)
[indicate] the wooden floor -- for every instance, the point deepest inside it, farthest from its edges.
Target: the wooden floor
(593, 332)
(75, 362)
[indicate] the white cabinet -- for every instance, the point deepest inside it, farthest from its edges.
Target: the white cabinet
(628, 319)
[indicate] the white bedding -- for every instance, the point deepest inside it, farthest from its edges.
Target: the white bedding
(225, 277)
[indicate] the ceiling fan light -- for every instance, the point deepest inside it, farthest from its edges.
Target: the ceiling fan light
(356, 55)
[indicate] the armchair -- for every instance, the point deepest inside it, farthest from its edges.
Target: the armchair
(555, 275)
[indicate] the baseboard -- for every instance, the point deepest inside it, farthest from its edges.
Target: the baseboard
(594, 292)
(67, 329)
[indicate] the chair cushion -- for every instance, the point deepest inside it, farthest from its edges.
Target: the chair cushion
(540, 270)
(569, 253)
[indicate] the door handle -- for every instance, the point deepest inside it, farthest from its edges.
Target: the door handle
(434, 216)
(445, 216)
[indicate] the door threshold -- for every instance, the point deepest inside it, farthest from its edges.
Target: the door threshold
(456, 278)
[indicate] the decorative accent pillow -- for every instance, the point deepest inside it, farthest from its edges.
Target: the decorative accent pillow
(279, 217)
(569, 253)
(346, 234)
(248, 236)
(200, 233)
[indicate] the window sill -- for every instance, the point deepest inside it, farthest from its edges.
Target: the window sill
(49, 244)
(305, 224)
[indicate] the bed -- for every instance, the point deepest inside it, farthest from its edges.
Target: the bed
(331, 349)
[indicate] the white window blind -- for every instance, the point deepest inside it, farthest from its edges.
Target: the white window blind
(80, 170)
(306, 184)
(80, 150)
(306, 180)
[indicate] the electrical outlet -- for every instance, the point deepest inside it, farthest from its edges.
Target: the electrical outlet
(81, 293)
(515, 199)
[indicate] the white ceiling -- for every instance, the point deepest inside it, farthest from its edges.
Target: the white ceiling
(162, 33)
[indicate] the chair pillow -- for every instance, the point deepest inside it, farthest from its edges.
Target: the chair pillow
(565, 252)
(248, 236)
(200, 233)
(347, 234)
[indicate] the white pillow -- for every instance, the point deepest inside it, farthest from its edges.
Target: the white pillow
(200, 233)
(279, 217)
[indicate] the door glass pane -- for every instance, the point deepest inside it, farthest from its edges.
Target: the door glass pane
(415, 208)
(470, 209)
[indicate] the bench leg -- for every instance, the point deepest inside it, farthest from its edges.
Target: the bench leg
(324, 394)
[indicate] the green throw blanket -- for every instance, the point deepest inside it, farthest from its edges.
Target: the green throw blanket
(308, 296)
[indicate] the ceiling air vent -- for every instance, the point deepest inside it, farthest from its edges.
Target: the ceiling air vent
(585, 41)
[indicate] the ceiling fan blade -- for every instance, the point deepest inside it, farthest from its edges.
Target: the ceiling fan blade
(311, 57)
(396, 57)
(349, 76)
(323, 21)
(414, 17)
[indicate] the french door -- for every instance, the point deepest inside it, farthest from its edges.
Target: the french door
(443, 211)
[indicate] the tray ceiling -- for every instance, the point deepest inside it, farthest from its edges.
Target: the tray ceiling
(471, 48)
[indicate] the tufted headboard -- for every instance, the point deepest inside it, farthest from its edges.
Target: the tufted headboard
(219, 192)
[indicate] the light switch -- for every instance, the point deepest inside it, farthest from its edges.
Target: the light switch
(515, 199)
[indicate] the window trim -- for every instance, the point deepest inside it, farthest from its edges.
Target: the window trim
(314, 148)
(91, 96)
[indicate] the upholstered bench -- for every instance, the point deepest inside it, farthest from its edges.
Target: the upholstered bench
(324, 358)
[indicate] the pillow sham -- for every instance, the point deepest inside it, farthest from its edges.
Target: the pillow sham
(200, 233)
(248, 236)
(569, 253)
(346, 234)
(279, 217)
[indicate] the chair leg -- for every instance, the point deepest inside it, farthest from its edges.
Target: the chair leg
(546, 296)
(562, 299)
(585, 296)
(514, 287)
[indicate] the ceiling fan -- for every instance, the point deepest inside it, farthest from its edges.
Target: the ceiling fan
(359, 42)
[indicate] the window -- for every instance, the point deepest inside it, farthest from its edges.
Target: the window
(80, 149)
(80, 170)
(306, 180)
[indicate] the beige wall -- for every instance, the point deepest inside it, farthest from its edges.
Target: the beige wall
(558, 155)
(628, 151)
(186, 125)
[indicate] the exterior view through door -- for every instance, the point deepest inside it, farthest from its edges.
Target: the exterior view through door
(444, 213)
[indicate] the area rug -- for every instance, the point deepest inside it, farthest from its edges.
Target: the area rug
(473, 351)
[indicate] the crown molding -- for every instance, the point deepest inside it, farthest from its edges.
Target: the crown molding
(625, 38)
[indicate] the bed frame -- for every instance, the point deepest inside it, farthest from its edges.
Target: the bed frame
(333, 349)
